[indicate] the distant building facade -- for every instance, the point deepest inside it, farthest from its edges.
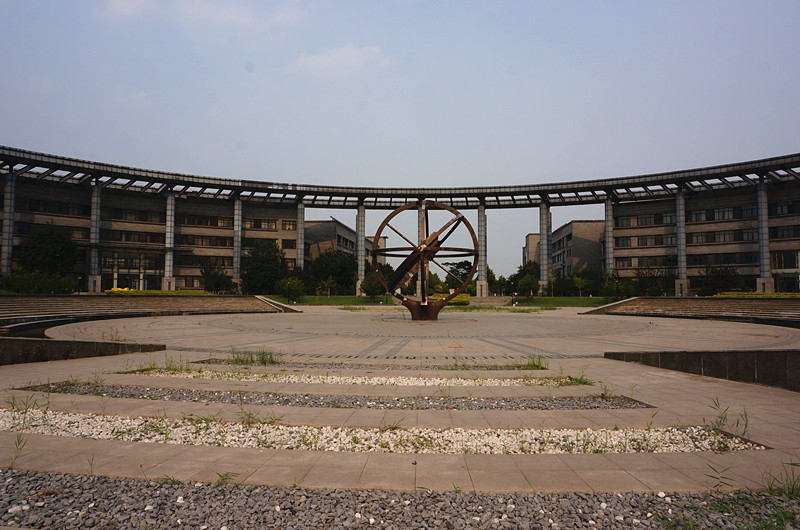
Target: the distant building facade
(333, 235)
(530, 252)
(577, 246)
(721, 228)
(149, 241)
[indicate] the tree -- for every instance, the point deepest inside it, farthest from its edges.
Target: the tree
(579, 282)
(530, 267)
(529, 285)
(458, 269)
(491, 280)
(435, 285)
(49, 250)
(655, 281)
(372, 286)
(339, 266)
(292, 287)
(325, 286)
(717, 278)
(214, 279)
(262, 266)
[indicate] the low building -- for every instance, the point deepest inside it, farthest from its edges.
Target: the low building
(334, 235)
(530, 252)
(577, 246)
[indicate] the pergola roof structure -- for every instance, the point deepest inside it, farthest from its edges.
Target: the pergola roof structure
(40, 166)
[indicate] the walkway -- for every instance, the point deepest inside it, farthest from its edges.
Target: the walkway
(573, 343)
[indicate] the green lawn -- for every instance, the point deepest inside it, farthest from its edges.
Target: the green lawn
(538, 301)
(563, 301)
(335, 300)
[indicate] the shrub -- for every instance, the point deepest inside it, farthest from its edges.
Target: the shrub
(462, 299)
(136, 292)
(35, 282)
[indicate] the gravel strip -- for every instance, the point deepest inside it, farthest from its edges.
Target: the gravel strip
(456, 366)
(338, 401)
(365, 380)
(48, 500)
(251, 431)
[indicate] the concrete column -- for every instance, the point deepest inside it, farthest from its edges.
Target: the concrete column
(609, 234)
(9, 199)
(361, 250)
(168, 282)
(420, 239)
(301, 235)
(237, 240)
(544, 245)
(682, 283)
(482, 285)
(95, 279)
(765, 282)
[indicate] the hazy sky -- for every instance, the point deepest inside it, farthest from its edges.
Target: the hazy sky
(404, 92)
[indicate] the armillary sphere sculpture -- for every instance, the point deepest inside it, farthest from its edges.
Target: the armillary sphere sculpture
(417, 257)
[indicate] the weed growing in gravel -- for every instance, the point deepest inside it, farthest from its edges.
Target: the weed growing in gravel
(388, 427)
(720, 422)
(785, 482)
(168, 479)
(19, 445)
(273, 419)
(248, 417)
(96, 382)
(718, 478)
(224, 479)
(173, 366)
(262, 356)
(22, 410)
(533, 362)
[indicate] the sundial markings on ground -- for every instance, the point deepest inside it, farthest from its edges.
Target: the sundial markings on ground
(519, 348)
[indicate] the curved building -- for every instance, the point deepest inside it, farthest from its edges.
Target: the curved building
(153, 229)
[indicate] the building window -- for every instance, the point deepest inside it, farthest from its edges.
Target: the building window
(784, 259)
(669, 239)
(289, 225)
(722, 214)
(728, 236)
(646, 220)
(621, 242)
(669, 218)
(782, 232)
(647, 241)
(751, 234)
(696, 260)
(782, 208)
(749, 211)
(623, 262)
(697, 216)
(288, 244)
(621, 222)
(696, 238)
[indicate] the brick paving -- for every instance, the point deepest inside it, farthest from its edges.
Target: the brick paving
(574, 344)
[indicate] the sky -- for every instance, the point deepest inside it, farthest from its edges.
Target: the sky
(404, 93)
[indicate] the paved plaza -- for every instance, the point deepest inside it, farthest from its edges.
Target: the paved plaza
(333, 338)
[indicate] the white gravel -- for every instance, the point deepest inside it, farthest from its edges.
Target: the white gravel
(364, 380)
(209, 431)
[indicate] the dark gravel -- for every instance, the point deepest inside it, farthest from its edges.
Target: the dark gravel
(55, 500)
(340, 401)
(457, 366)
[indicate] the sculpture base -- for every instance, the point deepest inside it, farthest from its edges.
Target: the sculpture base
(420, 311)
